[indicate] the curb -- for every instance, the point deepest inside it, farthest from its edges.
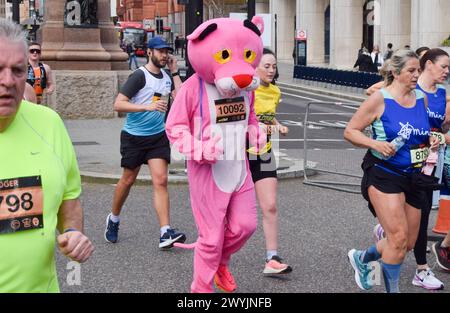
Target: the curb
(100, 178)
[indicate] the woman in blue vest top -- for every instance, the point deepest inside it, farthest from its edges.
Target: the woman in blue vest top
(434, 66)
(398, 148)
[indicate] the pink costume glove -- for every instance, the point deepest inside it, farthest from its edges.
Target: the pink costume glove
(212, 151)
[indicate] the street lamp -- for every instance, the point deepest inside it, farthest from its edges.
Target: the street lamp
(194, 17)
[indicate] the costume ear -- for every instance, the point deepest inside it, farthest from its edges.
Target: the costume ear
(202, 31)
(259, 22)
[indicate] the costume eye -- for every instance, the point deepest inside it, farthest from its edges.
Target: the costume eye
(223, 56)
(249, 55)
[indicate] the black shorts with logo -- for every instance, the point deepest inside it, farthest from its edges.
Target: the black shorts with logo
(386, 181)
(137, 150)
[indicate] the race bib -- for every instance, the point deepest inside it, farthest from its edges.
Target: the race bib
(230, 110)
(439, 136)
(21, 204)
(419, 154)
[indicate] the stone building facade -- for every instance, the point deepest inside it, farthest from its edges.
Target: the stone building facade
(336, 28)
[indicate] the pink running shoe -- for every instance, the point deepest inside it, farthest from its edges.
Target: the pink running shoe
(276, 266)
(378, 233)
(224, 280)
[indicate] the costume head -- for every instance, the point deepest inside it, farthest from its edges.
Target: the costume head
(226, 52)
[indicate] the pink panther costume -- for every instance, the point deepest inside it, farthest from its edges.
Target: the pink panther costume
(208, 123)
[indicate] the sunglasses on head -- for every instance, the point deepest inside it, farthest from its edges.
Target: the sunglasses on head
(38, 51)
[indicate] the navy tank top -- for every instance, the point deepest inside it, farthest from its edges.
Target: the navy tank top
(412, 123)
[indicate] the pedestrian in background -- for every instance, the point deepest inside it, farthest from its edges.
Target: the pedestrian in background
(39, 74)
(131, 51)
(377, 58)
(364, 62)
(389, 52)
(177, 44)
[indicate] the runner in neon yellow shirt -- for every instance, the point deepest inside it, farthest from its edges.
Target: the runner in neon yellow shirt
(39, 181)
(263, 165)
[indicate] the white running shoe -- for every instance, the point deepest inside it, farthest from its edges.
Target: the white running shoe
(378, 233)
(426, 279)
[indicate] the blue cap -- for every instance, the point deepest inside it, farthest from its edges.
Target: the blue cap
(158, 43)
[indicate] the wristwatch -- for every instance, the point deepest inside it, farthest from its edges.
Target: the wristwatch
(177, 73)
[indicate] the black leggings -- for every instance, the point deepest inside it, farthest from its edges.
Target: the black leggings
(420, 249)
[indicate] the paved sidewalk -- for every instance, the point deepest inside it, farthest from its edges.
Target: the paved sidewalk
(96, 142)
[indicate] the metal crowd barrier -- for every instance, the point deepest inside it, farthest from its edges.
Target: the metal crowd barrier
(337, 77)
(329, 184)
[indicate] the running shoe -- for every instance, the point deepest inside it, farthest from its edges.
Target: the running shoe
(426, 279)
(224, 280)
(362, 270)
(171, 236)
(378, 233)
(276, 266)
(442, 255)
(112, 230)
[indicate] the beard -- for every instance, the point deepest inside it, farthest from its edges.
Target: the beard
(157, 63)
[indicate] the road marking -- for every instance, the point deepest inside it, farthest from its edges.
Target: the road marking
(315, 140)
(342, 113)
(315, 94)
(301, 97)
(318, 100)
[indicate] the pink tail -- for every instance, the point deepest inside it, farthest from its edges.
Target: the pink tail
(185, 245)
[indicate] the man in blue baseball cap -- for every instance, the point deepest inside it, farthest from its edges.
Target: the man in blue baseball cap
(159, 43)
(143, 141)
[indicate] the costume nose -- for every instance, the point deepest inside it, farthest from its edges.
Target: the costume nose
(243, 80)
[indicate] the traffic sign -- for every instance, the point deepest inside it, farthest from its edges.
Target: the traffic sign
(147, 23)
(301, 34)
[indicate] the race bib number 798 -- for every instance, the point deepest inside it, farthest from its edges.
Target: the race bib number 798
(21, 204)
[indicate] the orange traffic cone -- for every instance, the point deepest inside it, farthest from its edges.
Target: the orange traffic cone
(443, 219)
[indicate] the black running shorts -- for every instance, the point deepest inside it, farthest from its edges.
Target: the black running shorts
(389, 182)
(262, 166)
(137, 150)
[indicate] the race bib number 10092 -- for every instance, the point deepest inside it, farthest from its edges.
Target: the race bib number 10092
(21, 204)
(230, 110)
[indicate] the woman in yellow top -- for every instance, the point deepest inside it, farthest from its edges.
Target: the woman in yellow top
(263, 165)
